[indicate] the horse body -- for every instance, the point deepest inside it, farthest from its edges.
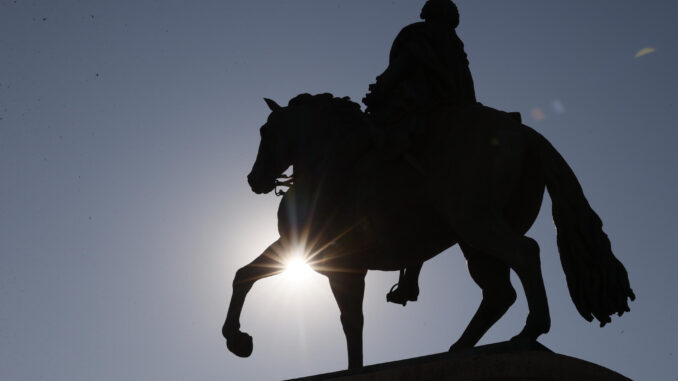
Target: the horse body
(405, 222)
(479, 182)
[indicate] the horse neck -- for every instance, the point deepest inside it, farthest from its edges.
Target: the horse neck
(312, 151)
(309, 174)
(327, 148)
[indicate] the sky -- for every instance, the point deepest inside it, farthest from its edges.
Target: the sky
(127, 129)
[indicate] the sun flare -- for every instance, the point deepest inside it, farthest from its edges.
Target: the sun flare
(297, 269)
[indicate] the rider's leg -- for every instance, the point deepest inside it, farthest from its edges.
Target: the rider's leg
(267, 264)
(412, 279)
(493, 277)
(348, 289)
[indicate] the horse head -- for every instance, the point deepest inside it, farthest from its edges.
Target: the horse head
(304, 134)
(275, 150)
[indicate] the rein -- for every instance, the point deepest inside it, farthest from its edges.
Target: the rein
(283, 183)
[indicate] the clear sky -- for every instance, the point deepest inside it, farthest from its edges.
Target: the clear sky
(127, 129)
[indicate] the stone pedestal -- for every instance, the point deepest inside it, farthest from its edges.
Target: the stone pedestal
(494, 362)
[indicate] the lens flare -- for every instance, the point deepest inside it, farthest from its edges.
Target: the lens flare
(645, 51)
(537, 114)
(296, 268)
(558, 106)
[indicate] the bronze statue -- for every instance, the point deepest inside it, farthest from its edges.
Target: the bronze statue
(486, 175)
(465, 174)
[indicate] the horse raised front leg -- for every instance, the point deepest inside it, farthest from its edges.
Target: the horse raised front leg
(348, 290)
(265, 265)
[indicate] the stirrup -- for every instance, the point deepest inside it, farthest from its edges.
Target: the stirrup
(395, 295)
(398, 295)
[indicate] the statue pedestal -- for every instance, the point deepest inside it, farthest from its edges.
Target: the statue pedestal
(495, 362)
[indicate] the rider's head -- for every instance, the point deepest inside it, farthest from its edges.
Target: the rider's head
(441, 11)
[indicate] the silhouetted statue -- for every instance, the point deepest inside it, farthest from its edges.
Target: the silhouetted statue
(351, 212)
(441, 169)
(428, 67)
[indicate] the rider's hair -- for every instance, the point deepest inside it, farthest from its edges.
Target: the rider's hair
(441, 11)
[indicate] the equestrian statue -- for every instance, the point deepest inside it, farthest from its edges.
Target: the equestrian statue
(466, 174)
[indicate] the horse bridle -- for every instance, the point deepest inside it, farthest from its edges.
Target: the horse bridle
(283, 183)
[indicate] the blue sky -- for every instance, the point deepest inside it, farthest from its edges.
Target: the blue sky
(127, 129)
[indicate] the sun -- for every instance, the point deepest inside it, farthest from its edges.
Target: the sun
(297, 269)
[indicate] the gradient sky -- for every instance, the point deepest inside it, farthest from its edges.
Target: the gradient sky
(127, 129)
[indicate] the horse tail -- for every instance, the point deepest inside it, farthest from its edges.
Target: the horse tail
(597, 280)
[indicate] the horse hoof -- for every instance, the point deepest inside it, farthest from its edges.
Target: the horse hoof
(240, 344)
(456, 347)
(527, 336)
(522, 339)
(535, 326)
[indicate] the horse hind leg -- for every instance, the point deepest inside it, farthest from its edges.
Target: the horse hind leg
(538, 319)
(491, 235)
(493, 277)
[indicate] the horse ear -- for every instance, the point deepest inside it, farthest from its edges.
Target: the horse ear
(272, 105)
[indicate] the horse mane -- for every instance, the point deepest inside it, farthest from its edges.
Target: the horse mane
(338, 132)
(341, 113)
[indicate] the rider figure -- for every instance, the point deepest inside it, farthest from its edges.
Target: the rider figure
(428, 67)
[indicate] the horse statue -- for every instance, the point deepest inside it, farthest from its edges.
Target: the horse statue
(476, 178)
